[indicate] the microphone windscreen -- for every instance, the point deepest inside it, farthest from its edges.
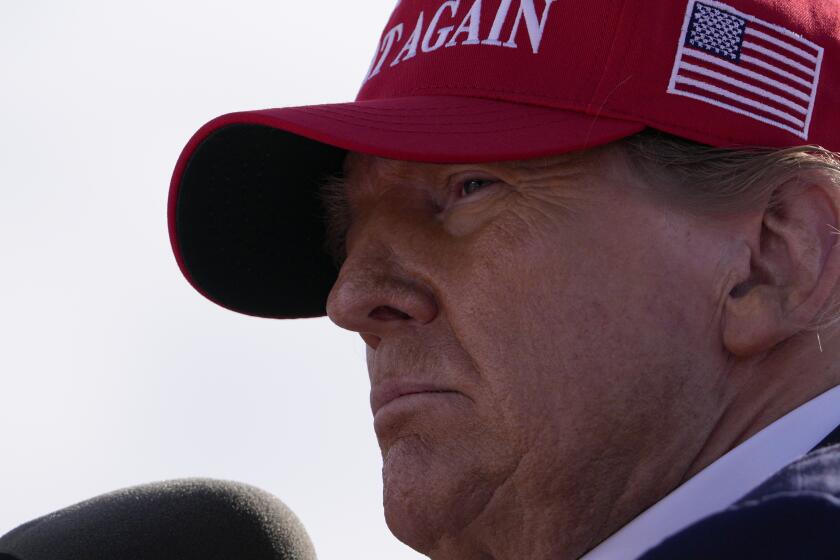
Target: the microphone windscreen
(187, 519)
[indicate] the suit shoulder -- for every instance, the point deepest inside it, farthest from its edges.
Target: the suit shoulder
(793, 514)
(784, 525)
(816, 472)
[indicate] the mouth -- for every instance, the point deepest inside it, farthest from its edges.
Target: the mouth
(387, 393)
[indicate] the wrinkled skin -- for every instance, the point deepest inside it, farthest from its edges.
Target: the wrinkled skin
(562, 330)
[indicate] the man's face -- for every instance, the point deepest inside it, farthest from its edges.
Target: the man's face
(539, 334)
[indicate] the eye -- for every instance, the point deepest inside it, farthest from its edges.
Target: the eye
(471, 186)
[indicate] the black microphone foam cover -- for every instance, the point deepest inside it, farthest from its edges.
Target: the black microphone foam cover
(187, 519)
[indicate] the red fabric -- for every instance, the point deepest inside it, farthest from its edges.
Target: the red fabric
(609, 61)
(614, 59)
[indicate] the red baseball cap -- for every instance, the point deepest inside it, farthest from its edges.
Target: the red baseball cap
(494, 80)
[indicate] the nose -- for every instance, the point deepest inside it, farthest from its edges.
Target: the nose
(380, 288)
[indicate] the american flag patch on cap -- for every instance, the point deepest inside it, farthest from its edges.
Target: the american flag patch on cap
(748, 66)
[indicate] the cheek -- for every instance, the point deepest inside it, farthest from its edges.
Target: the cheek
(573, 323)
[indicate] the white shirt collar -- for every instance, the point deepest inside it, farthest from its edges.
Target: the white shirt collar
(727, 479)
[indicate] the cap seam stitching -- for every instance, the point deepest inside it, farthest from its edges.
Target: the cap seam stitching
(595, 92)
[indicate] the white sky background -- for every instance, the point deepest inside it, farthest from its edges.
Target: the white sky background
(113, 372)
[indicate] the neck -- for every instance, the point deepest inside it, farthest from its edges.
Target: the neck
(769, 387)
(544, 510)
(527, 518)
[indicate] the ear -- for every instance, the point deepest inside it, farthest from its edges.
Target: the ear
(791, 273)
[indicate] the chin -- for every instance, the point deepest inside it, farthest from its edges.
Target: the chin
(429, 497)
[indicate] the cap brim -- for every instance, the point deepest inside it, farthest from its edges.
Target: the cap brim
(245, 217)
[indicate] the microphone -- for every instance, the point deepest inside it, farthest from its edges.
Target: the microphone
(188, 519)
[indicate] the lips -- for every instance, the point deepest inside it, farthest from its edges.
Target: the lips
(387, 392)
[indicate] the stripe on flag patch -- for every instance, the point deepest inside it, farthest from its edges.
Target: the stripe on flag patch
(748, 66)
